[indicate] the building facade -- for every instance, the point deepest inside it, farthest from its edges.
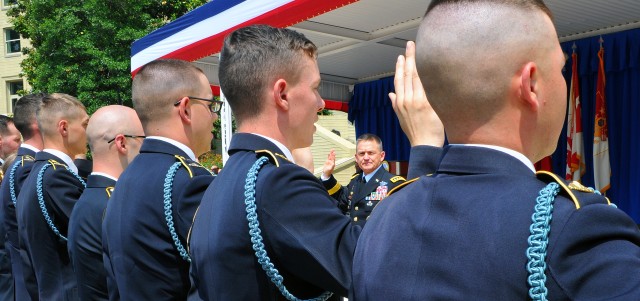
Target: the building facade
(10, 57)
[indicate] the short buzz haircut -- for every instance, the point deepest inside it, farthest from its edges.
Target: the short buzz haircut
(159, 84)
(55, 107)
(254, 57)
(539, 4)
(25, 113)
(370, 137)
(4, 124)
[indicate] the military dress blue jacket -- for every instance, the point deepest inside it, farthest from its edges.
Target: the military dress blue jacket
(305, 235)
(462, 235)
(48, 251)
(85, 238)
(141, 257)
(19, 263)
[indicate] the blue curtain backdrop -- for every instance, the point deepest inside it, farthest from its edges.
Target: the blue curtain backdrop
(622, 92)
(370, 110)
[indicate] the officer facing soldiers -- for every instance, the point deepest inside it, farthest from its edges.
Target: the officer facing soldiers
(150, 212)
(485, 226)
(49, 194)
(114, 134)
(366, 188)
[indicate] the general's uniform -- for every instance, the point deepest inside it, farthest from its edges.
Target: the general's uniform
(48, 252)
(304, 233)
(142, 259)
(358, 199)
(20, 264)
(462, 235)
(85, 238)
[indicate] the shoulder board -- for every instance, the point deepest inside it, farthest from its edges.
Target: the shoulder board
(355, 175)
(274, 158)
(189, 164)
(55, 164)
(27, 158)
(396, 179)
(400, 186)
(565, 190)
(109, 191)
(576, 186)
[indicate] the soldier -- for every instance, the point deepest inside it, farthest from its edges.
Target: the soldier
(115, 135)
(366, 188)
(49, 194)
(9, 143)
(150, 212)
(492, 70)
(267, 229)
(27, 124)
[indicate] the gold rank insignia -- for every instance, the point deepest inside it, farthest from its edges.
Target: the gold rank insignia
(396, 179)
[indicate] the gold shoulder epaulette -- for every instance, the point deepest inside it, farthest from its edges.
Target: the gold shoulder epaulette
(186, 163)
(354, 175)
(26, 158)
(548, 177)
(577, 186)
(396, 179)
(400, 186)
(109, 191)
(271, 156)
(55, 163)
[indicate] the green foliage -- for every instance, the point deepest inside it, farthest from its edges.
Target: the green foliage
(325, 112)
(209, 159)
(83, 47)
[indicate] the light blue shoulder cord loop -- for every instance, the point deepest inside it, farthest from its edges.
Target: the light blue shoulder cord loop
(256, 237)
(168, 212)
(12, 181)
(47, 218)
(539, 240)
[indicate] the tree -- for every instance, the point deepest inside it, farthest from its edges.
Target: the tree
(83, 47)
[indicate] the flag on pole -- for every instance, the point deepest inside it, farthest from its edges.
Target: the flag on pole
(601, 166)
(575, 145)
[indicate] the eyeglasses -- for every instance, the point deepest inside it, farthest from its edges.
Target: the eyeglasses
(214, 105)
(128, 136)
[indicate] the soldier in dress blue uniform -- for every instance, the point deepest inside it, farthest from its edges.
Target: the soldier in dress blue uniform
(150, 212)
(366, 188)
(115, 135)
(49, 194)
(25, 121)
(9, 143)
(270, 77)
(493, 73)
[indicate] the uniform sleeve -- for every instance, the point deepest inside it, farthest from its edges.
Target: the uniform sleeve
(596, 255)
(423, 159)
(63, 190)
(310, 237)
(189, 200)
(337, 192)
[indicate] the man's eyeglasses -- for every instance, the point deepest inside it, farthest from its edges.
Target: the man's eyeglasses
(214, 105)
(128, 136)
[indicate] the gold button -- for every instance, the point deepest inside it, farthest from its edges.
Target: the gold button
(355, 219)
(356, 208)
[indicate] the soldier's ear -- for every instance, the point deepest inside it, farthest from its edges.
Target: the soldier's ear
(184, 110)
(280, 94)
(529, 88)
(63, 127)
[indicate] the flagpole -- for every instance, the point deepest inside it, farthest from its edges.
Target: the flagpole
(225, 123)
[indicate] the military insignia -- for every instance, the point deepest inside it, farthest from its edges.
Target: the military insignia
(383, 183)
(377, 180)
(109, 191)
(396, 179)
(381, 191)
(575, 185)
(369, 203)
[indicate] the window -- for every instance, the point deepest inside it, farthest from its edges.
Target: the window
(14, 88)
(12, 39)
(6, 3)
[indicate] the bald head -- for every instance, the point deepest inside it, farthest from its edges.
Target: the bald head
(109, 121)
(468, 52)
